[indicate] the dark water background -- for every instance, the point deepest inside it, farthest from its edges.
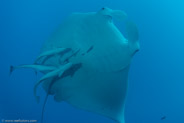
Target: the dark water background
(156, 78)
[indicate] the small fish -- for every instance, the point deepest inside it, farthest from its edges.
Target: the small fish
(74, 54)
(48, 92)
(41, 68)
(48, 54)
(163, 118)
(71, 71)
(91, 48)
(57, 72)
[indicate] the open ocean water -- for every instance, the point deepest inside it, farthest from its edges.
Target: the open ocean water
(156, 77)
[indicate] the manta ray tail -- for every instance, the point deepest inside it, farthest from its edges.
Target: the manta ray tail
(45, 101)
(37, 97)
(43, 108)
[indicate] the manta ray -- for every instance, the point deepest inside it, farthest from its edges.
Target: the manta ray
(86, 61)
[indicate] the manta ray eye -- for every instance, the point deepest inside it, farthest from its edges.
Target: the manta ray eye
(103, 8)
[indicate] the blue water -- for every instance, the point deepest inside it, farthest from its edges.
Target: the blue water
(156, 78)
